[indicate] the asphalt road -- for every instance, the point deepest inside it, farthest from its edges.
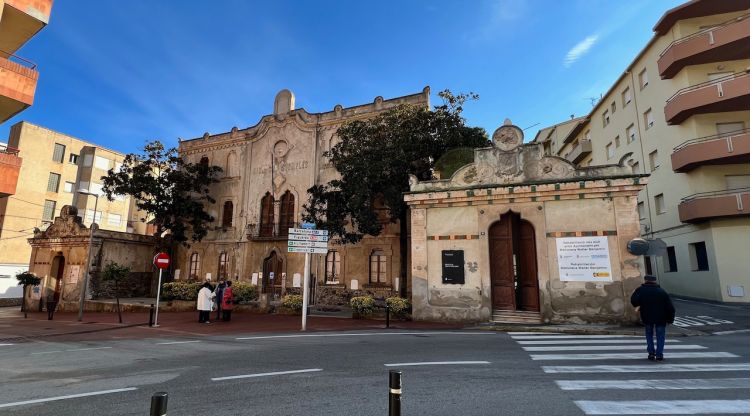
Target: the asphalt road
(444, 373)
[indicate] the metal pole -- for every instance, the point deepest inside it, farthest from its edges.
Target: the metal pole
(394, 393)
(85, 287)
(387, 316)
(159, 404)
(305, 291)
(158, 292)
(151, 315)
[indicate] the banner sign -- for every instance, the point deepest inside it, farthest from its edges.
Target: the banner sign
(453, 267)
(584, 259)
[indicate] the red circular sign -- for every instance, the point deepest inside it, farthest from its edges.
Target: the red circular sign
(161, 260)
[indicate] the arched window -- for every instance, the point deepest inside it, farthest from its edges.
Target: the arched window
(195, 265)
(266, 215)
(333, 266)
(226, 219)
(377, 267)
(223, 265)
(204, 161)
(231, 169)
(286, 220)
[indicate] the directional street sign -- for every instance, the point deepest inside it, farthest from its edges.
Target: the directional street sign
(309, 244)
(311, 250)
(307, 232)
(302, 237)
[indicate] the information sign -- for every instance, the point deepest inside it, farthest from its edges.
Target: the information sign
(584, 259)
(311, 250)
(453, 267)
(307, 232)
(317, 244)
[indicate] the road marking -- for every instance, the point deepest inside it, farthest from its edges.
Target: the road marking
(652, 368)
(573, 336)
(700, 320)
(70, 396)
(177, 342)
(5, 345)
(365, 334)
(73, 350)
(535, 333)
(437, 363)
(592, 341)
(610, 347)
(739, 331)
(629, 356)
(663, 407)
(674, 384)
(276, 373)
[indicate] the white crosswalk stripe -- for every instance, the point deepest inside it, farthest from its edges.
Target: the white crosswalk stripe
(552, 347)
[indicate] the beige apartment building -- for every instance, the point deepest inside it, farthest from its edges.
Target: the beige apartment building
(55, 167)
(681, 113)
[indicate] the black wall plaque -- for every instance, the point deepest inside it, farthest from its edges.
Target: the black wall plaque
(453, 267)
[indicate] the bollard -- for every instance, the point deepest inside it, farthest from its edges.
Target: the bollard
(394, 393)
(387, 316)
(51, 305)
(151, 315)
(159, 404)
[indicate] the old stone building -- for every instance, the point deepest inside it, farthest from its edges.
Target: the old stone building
(517, 236)
(267, 170)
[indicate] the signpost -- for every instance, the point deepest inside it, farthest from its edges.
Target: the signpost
(161, 260)
(307, 240)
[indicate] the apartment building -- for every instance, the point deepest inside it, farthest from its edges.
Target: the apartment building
(681, 112)
(55, 167)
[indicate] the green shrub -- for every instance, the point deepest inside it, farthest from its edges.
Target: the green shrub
(244, 292)
(180, 290)
(293, 302)
(398, 306)
(362, 305)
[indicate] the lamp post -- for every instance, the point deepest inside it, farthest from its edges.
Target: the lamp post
(85, 287)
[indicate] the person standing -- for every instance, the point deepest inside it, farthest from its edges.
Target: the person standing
(204, 303)
(227, 302)
(657, 310)
(218, 296)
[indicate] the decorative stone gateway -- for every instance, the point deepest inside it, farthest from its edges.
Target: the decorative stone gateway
(517, 236)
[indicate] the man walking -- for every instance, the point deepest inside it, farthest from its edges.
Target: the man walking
(656, 312)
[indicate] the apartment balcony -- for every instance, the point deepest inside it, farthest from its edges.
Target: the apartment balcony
(18, 79)
(10, 166)
(580, 151)
(21, 20)
(270, 232)
(720, 149)
(710, 205)
(730, 93)
(697, 8)
(726, 42)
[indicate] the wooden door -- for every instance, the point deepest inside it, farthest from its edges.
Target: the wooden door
(527, 271)
(59, 275)
(272, 264)
(502, 278)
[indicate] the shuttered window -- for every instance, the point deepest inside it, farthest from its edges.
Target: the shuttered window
(59, 153)
(53, 183)
(49, 210)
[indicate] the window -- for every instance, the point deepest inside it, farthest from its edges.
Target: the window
(195, 265)
(588, 135)
(659, 202)
(729, 128)
(643, 78)
(647, 263)
(630, 132)
(266, 215)
(97, 188)
(101, 163)
(53, 183)
(231, 169)
(617, 141)
(223, 265)
(737, 181)
(671, 260)
(204, 162)
(605, 118)
(698, 256)
(73, 159)
(49, 210)
(69, 186)
(114, 219)
(613, 107)
(636, 167)
(377, 267)
(641, 210)
(627, 97)
(286, 213)
(648, 119)
(653, 160)
(333, 266)
(610, 151)
(90, 216)
(88, 159)
(226, 219)
(58, 153)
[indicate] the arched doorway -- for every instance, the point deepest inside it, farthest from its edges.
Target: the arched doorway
(56, 270)
(272, 264)
(513, 270)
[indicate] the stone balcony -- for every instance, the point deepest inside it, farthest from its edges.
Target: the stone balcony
(18, 79)
(726, 42)
(730, 93)
(580, 151)
(21, 20)
(711, 205)
(10, 166)
(720, 149)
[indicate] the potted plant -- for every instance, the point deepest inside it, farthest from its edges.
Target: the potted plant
(362, 306)
(292, 303)
(398, 306)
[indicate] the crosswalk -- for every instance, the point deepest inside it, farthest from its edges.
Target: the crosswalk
(689, 381)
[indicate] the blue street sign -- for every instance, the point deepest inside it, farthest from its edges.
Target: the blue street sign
(308, 225)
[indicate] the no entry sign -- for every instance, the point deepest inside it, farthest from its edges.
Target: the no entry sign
(161, 260)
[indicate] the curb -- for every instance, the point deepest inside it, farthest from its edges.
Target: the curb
(88, 331)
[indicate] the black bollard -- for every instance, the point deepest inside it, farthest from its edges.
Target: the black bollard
(394, 393)
(151, 315)
(387, 316)
(159, 404)
(51, 305)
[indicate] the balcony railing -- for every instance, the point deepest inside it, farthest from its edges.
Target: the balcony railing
(728, 93)
(715, 204)
(703, 32)
(5, 149)
(270, 232)
(726, 148)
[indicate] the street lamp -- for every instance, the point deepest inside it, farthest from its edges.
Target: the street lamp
(85, 287)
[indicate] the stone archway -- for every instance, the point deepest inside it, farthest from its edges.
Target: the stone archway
(513, 264)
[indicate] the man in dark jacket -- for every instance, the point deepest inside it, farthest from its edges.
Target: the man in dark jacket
(656, 312)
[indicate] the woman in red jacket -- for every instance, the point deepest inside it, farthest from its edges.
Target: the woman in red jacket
(227, 302)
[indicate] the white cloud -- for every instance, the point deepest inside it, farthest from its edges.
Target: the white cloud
(579, 50)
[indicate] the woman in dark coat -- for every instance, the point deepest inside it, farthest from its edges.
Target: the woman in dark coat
(656, 312)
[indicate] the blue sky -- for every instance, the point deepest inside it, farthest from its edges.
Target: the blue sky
(122, 73)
